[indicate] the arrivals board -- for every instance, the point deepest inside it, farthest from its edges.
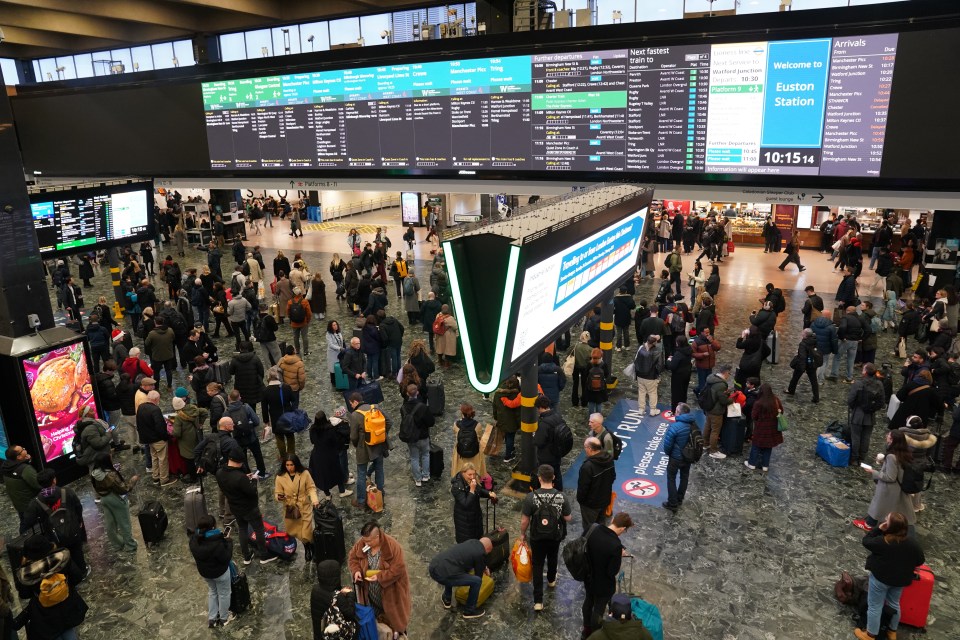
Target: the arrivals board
(789, 107)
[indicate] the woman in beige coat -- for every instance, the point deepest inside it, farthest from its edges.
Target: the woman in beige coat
(296, 490)
(446, 345)
(467, 421)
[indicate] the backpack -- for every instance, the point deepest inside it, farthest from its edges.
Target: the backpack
(705, 399)
(53, 590)
(298, 313)
(374, 426)
(61, 522)
(545, 523)
(439, 327)
(595, 379)
(816, 357)
(875, 403)
(693, 450)
(234, 286)
(779, 305)
(468, 444)
(913, 478)
(241, 420)
(409, 431)
(677, 323)
(617, 443)
(210, 456)
(562, 442)
(575, 556)
(408, 288)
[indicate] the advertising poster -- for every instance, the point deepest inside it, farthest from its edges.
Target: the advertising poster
(678, 206)
(785, 215)
(410, 207)
(60, 387)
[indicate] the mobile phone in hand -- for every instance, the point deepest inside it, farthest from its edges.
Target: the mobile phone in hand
(227, 530)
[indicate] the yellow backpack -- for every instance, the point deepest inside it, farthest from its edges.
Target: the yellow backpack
(53, 590)
(374, 426)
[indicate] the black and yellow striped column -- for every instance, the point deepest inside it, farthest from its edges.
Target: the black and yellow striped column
(113, 255)
(606, 339)
(524, 471)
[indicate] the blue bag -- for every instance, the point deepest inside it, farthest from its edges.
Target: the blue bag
(834, 455)
(366, 616)
(293, 421)
(650, 615)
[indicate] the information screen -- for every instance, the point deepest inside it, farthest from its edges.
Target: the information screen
(556, 288)
(795, 107)
(68, 221)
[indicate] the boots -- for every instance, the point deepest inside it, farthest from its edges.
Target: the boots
(333, 380)
(863, 635)
(308, 551)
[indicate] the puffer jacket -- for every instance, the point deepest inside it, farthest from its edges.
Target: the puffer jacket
(293, 372)
(246, 369)
(677, 436)
(552, 380)
(826, 333)
(467, 511)
(212, 553)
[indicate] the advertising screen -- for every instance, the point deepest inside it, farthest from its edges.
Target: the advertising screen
(60, 387)
(410, 207)
(67, 221)
(554, 289)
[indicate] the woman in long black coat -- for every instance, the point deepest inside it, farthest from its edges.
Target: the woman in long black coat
(325, 458)
(467, 512)
(752, 359)
(680, 365)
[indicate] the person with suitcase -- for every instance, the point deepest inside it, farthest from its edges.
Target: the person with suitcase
(604, 553)
(452, 568)
(112, 489)
(894, 556)
(545, 514)
(212, 550)
(368, 434)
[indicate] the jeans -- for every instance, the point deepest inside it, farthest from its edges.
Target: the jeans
(848, 353)
(675, 280)
(165, 365)
(874, 254)
(218, 596)
(594, 604)
(298, 333)
(828, 359)
(543, 551)
(376, 468)
(255, 521)
(676, 493)
(859, 442)
(594, 407)
(508, 441)
(793, 257)
(373, 366)
(702, 375)
(460, 580)
(393, 360)
(878, 594)
(623, 336)
(419, 458)
(760, 457)
(116, 520)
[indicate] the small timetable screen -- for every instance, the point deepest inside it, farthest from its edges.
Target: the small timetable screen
(793, 107)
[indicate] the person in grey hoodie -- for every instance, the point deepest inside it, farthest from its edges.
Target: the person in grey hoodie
(237, 310)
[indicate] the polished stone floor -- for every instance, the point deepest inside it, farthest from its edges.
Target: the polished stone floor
(749, 556)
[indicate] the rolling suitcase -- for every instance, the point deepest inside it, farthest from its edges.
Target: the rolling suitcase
(436, 461)
(774, 355)
(328, 540)
(915, 599)
(194, 507)
(372, 394)
(340, 378)
(221, 371)
(153, 522)
(732, 435)
(436, 397)
(500, 538)
(486, 589)
(239, 590)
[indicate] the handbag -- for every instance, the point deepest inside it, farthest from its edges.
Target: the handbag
(902, 348)
(629, 371)
(292, 511)
(893, 406)
(292, 421)
(568, 365)
(782, 424)
(734, 410)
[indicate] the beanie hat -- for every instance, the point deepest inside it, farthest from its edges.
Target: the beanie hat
(340, 412)
(181, 392)
(179, 403)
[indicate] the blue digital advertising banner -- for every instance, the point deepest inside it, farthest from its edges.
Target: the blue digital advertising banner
(794, 103)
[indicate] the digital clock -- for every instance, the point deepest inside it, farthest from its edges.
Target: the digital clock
(798, 158)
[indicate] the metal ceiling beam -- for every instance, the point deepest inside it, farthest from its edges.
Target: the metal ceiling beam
(268, 9)
(137, 11)
(83, 25)
(60, 42)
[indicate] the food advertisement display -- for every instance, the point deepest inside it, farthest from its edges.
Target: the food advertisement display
(60, 387)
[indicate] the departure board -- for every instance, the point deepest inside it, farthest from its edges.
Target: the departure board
(796, 107)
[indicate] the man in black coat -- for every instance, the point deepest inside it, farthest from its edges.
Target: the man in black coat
(812, 307)
(604, 553)
(152, 429)
(354, 363)
(595, 483)
(241, 494)
(416, 420)
(549, 421)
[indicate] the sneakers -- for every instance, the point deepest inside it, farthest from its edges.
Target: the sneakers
(553, 584)
(537, 606)
(170, 481)
(351, 480)
(654, 412)
(447, 604)
(230, 618)
(470, 614)
(425, 479)
(268, 559)
(861, 524)
(717, 455)
(212, 623)
(248, 560)
(346, 493)
(417, 483)
(263, 474)
(747, 464)
(765, 469)
(541, 606)
(510, 460)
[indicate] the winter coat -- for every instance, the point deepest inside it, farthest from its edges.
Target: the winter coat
(428, 312)
(705, 352)
(237, 309)
(909, 324)
(292, 372)
(284, 296)
(847, 291)
(552, 380)
(126, 394)
(20, 481)
(94, 438)
(479, 460)
(595, 481)
(370, 341)
(302, 492)
(869, 336)
(105, 483)
(281, 264)
(467, 509)
(308, 313)
(108, 392)
(705, 318)
(366, 453)
(354, 362)
(680, 364)
(392, 332)
(720, 392)
(188, 428)
(507, 419)
(915, 400)
(160, 344)
(393, 579)
(712, 285)
(621, 630)
(765, 432)
(411, 303)
(151, 425)
(887, 496)
(805, 358)
(858, 400)
(246, 369)
(677, 435)
(325, 456)
(765, 321)
(318, 296)
(826, 333)
(623, 306)
(240, 491)
(424, 366)
(894, 563)
(212, 553)
(549, 421)
(446, 345)
(335, 345)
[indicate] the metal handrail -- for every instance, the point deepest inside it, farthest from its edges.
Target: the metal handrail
(363, 206)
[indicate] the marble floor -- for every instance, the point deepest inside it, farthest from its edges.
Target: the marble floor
(749, 556)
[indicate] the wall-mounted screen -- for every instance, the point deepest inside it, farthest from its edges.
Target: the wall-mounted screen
(555, 288)
(60, 387)
(71, 220)
(410, 207)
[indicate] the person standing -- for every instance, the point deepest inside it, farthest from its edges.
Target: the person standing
(545, 513)
(246, 369)
(377, 561)
(73, 533)
(807, 360)
(827, 343)
(41, 559)
(623, 306)
(581, 365)
(19, 479)
(328, 460)
(72, 300)
(293, 374)
(812, 307)
(507, 418)
(446, 342)
(894, 556)
(237, 309)
(278, 399)
(766, 434)
(604, 554)
(244, 423)
(674, 441)
(354, 364)
(850, 332)
(112, 489)
(847, 290)
(864, 399)
(212, 551)
(369, 456)
(188, 430)
(152, 429)
(717, 385)
(428, 312)
(888, 497)
(160, 345)
(647, 366)
(546, 437)
(675, 265)
(705, 348)
(467, 492)
(595, 482)
(462, 565)
(416, 420)
(241, 495)
(297, 493)
(298, 310)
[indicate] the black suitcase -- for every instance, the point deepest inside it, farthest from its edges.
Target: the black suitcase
(436, 396)
(239, 593)
(732, 435)
(328, 539)
(153, 522)
(194, 508)
(15, 554)
(436, 461)
(774, 356)
(499, 537)
(371, 392)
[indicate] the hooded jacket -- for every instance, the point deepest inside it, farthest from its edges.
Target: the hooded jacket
(507, 418)
(721, 399)
(20, 481)
(159, 344)
(826, 333)
(676, 437)
(187, 425)
(595, 482)
(105, 483)
(108, 392)
(247, 372)
(376, 301)
(94, 438)
(151, 425)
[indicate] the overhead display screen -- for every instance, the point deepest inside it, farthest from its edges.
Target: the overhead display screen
(67, 221)
(794, 107)
(554, 289)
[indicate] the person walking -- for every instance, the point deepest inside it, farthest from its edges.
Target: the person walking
(112, 489)
(377, 561)
(369, 456)
(595, 482)
(766, 434)
(647, 367)
(462, 565)
(240, 491)
(212, 551)
(864, 399)
(604, 554)
(545, 513)
(894, 557)
(416, 420)
(297, 493)
(674, 441)
(793, 253)
(807, 360)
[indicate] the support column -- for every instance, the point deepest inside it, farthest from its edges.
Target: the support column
(524, 472)
(606, 340)
(113, 255)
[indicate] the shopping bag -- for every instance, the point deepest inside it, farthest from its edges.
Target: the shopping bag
(521, 561)
(494, 443)
(734, 410)
(782, 424)
(629, 372)
(568, 365)
(374, 498)
(893, 406)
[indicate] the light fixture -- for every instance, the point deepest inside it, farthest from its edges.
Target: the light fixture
(310, 40)
(136, 66)
(176, 62)
(617, 16)
(49, 76)
(360, 41)
(264, 51)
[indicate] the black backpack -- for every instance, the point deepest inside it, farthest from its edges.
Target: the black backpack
(913, 477)
(705, 398)
(468, 444)
(546, 521)
(298, 313)
(234, 286)
(210, 455)
(61, 522)
(779, 304)
(693, 450)
(562, 442)
(575, 556)
(409, 431)
(595, 379)
(617, 443)
(678, 323)
(242, 424)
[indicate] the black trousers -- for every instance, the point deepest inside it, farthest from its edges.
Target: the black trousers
(543, 551)
(594, 604)
(811, 372)
(676, 493)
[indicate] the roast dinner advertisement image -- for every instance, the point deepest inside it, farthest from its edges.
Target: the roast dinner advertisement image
(60, 388)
